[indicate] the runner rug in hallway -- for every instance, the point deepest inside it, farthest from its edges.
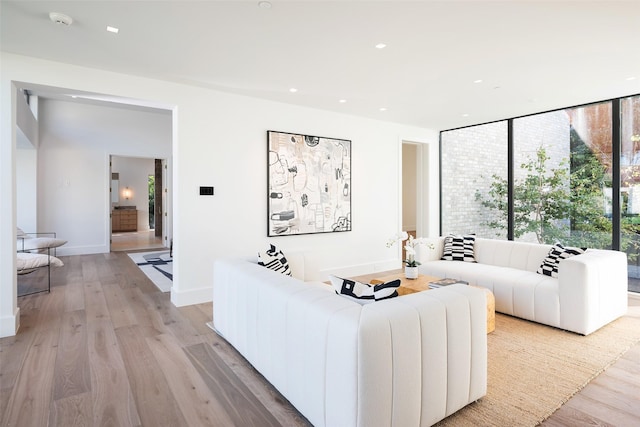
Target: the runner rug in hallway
(158, 266)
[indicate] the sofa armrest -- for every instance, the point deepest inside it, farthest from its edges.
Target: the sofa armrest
(422, 356)
(425, 254)
(592, 290)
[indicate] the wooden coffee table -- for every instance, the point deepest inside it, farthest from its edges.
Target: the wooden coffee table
(410, 286)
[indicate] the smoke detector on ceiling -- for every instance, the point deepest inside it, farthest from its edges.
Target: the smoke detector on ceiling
(60, 19)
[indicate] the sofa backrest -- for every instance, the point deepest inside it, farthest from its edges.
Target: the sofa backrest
(296, 263)
(505, 253)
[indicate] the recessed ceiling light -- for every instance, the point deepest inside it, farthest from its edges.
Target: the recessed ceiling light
(477, 81)
(465, 115)
(381, 46)
(113, 30)
(264, 4)
(383, 109)
(293, 90)
(631, 78)
(342, 101)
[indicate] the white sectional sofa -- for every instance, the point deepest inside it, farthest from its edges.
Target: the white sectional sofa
(589, 292)
(406, 361)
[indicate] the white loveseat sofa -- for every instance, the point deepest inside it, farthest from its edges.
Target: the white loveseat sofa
(589, 292)
(406, 361)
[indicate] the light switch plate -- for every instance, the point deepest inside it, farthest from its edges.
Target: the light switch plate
(206, 191)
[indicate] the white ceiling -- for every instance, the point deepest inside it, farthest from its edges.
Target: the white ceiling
(531, 56)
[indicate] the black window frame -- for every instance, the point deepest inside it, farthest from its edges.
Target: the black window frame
(616, 152)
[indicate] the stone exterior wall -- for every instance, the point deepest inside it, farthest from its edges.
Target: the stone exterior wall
(471, 156)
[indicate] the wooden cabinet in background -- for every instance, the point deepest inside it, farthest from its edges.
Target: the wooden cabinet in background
(124, 220)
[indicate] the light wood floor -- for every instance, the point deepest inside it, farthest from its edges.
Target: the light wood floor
(106, 348)
(135, 240)
(612, 398)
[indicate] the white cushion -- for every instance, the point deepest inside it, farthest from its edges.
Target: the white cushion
(506, 253)
(431, 249)
(31, 243)
(27, 262)
(296, 260)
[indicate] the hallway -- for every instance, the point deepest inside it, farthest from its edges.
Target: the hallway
(136, 240)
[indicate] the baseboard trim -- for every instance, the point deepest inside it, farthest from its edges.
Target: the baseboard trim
(9, 325)
(81, 250)
(195, 296)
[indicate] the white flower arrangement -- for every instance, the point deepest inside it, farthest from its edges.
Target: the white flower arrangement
(410, 246)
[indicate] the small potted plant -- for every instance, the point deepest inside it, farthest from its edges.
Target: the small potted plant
(411, 264)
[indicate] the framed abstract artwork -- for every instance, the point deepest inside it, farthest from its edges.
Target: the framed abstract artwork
(308, 185)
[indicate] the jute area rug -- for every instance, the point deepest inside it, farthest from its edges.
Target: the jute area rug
(533, 369)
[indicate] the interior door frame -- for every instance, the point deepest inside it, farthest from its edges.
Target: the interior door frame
(427, 185)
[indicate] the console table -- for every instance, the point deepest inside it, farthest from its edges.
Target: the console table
(124, 220)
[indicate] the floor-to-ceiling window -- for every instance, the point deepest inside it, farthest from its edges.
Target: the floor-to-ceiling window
(549, 177)
(562, 177)
(630, 185)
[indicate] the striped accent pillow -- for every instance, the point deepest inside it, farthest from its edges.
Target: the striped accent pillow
(363, 293)
(274, 259)
(459, 248)
(557, 253)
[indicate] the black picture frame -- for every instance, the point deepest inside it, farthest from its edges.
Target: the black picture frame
(308, 184)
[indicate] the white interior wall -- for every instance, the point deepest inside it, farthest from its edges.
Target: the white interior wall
(134, 173)
(9, 310)
(27, 189)
(409, 189)
(220, 140)
(73, 184)
(429, 187)
(26, 120)
(27, 134)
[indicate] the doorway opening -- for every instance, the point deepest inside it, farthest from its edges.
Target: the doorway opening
(419, 203)
(410, 197)
(137, 204)
(152, 196)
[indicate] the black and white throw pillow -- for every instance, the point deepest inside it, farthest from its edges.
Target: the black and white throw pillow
(274, 259)
(364, 293)
(459, 248)
(557, 253)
